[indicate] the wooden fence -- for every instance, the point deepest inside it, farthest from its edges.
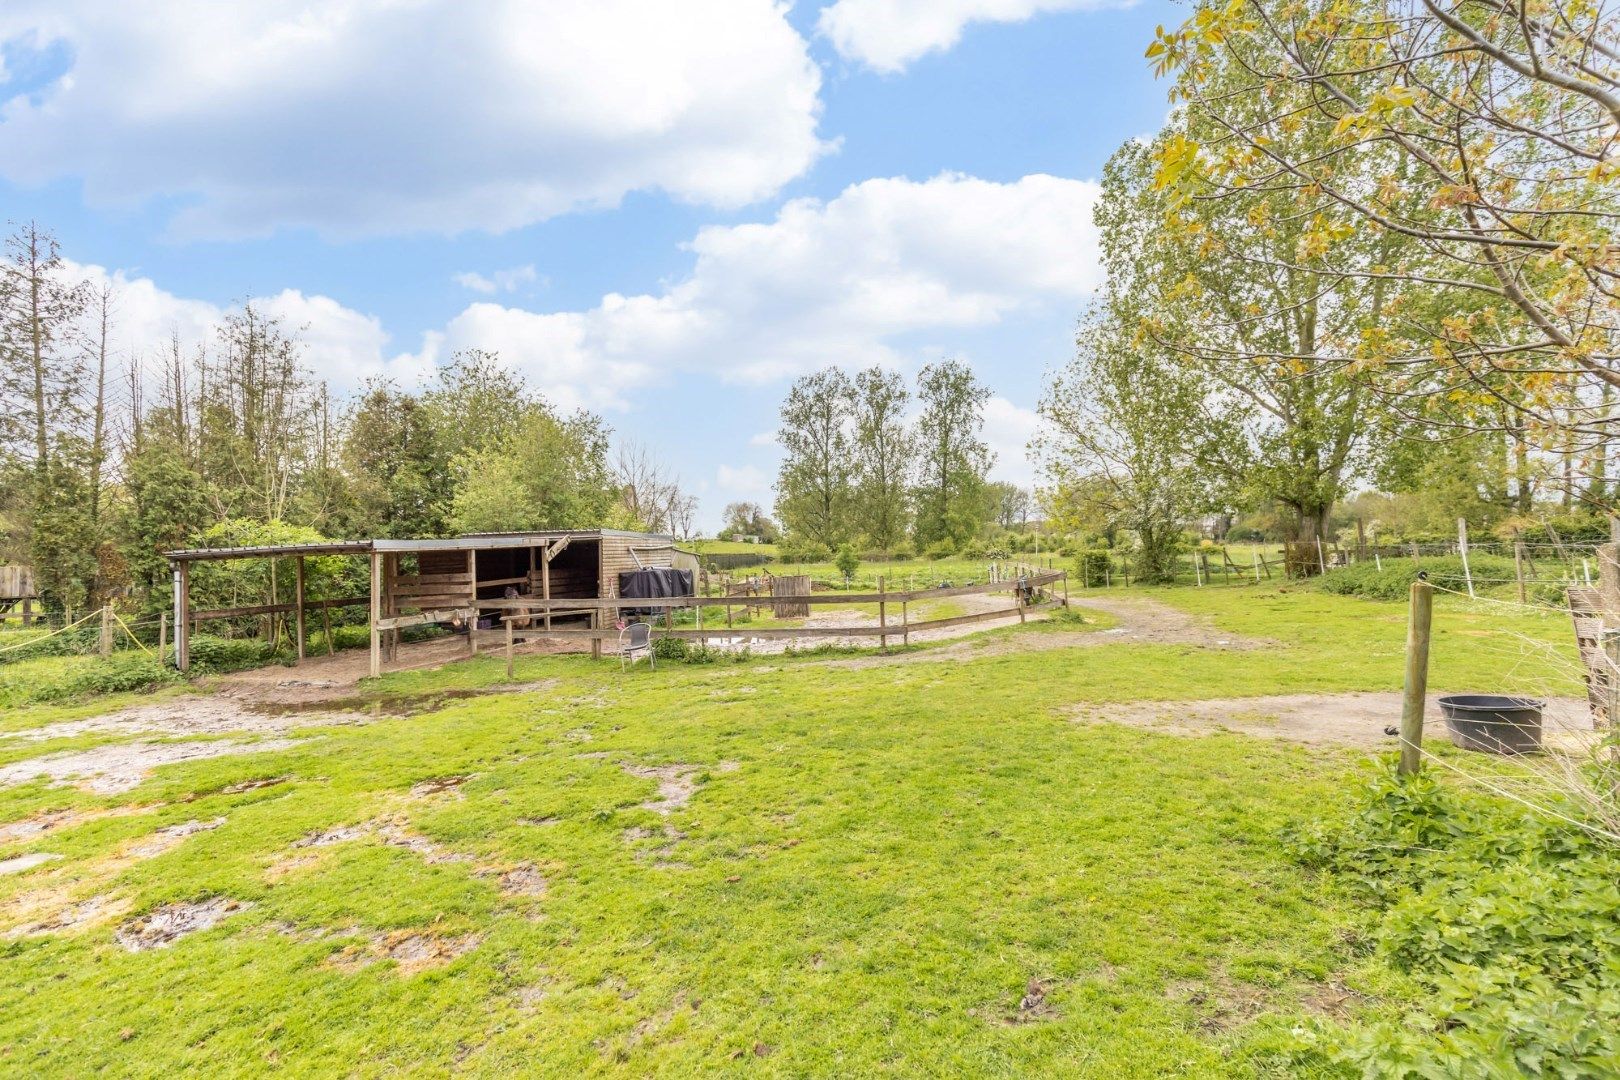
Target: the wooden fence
(1027, 590)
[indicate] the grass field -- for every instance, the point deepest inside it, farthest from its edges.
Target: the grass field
(774, 868)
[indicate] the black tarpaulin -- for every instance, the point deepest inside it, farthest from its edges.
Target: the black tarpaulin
(654, 582)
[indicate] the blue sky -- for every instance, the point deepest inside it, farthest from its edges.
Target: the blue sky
(661, 211)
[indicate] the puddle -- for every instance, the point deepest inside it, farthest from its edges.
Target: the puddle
(168, 924)
(392, 706)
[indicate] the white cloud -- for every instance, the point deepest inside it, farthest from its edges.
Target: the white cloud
(374, 116)
(844, 281)
(762, 438)
(851, 281)
(743, 483)
(343, 346)
(1008, 428)
(509, 280)
(887, 35)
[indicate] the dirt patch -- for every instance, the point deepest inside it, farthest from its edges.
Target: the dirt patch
(168, 924)
(438, 786)
(395, 833)
(1221, 1002)
(53, 911)
(112, 770)
(31, 828)
(412, 951)
(328, 837)
(59, 904)
(18, 863)
(189, 715)
(524, 881)
(1355, 720)
(660, 854)
(676, 783)
(167, 838)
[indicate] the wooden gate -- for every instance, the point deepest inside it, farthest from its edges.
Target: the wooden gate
(787, 587)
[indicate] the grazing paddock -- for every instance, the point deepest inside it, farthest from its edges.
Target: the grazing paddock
(784, 866)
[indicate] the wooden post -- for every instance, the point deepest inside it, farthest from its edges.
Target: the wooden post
(1518, 567)
(1462, 549)
(1414, 551)
(326, 622)
(106, 632)
(1257, 566)
(182, 616)
(905, 621)
(163, 635)
(545, 581)
(1378, 562)
(28, 611)
(376, 613)
(883, 616)
(1417, 676)
(511, 645)
(1065, 588)
(1321, 560)
(298, 605)
(596, 642)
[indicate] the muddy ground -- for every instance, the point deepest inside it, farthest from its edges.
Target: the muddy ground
(1356, 720)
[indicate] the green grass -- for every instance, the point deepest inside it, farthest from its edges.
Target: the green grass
(897, 853)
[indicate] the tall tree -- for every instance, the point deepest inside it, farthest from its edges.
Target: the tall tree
(952, 457)
(884, 452)
(1475, 141)
(815, 488)
(1110, 447)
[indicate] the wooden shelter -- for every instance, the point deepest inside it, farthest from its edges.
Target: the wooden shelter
(464, 579)
(17, 592)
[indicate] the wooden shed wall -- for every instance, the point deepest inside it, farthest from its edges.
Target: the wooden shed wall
(617, 558)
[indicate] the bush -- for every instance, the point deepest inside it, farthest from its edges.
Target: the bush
(902, 554)
(1394, 581)
(940, 549)
(1505, 918)
(795, 550)
(847, 561)
(1093, 566)
(216, 654)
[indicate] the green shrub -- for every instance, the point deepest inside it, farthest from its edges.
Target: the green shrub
(940, 549)
(1394, 581)
(671, 648)
(1506, 918)
(1092, 566)
(216, 654)
(847, 561)
(902, 554)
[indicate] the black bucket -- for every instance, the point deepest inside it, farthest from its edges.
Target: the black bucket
(1492, 723)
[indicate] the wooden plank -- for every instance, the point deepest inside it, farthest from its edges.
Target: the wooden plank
(399, 621)
(433, 579)
(268, 609)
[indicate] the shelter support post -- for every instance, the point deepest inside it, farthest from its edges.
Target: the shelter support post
(182, 616)
(298, 605)
(376, 614)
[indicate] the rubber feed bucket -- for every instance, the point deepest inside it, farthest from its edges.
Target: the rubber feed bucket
(1492, 723)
